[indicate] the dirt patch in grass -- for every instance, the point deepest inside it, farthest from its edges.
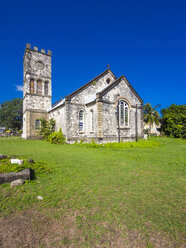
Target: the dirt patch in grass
(33, 229)
(122, 237)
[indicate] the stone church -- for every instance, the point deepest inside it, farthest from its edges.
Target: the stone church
(106, 109)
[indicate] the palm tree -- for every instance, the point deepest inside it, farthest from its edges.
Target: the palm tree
(151, 115)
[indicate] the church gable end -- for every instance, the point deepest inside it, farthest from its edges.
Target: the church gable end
(121, 88)
(88, 91)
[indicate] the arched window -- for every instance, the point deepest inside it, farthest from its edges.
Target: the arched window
(46, 88)
(38, 125)
(39, 87)
(92, 120)
(81, 120)
(31, 86)
(123, 114)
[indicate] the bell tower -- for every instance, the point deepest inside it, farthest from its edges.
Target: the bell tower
(37, 90)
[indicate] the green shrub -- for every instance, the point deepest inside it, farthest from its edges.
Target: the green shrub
(56, 137)
(47, 127)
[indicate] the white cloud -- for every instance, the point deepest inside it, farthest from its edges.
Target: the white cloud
(19, 87)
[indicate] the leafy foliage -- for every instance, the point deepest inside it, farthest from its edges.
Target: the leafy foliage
(47, 131)
(151, 115)
(38, 167)
(11, 114)
(47, 127)
(122, 145)
(174, 121)
(56, 137)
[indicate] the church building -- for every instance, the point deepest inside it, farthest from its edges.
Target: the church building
(106, 109)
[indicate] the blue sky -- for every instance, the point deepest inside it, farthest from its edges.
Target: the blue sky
(143, 40)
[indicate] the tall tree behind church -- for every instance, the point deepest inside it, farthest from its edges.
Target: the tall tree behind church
(151, 115)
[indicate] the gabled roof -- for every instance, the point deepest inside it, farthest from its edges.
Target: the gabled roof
(89, 83)
(61, 101)
(116, 82)
(102, 90)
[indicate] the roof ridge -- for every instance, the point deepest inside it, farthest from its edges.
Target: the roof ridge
(53, 105)
(89, 82)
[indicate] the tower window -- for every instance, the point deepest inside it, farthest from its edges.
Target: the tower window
(31, 86)
(123, 114)
(81, 120)
(46, 88)
(39, 87)
(38, 125)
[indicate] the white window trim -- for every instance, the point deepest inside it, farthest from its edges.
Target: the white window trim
(125, 104)
(81, 121)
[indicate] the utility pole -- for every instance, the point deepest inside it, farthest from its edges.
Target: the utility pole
(117, 116)
(136, 122)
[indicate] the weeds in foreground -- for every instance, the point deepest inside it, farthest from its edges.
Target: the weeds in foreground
(140, 144)
(39, 167)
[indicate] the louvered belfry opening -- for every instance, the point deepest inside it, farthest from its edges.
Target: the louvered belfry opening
(31, 86)
(39, 87)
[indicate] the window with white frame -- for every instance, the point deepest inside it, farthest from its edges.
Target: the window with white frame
(123, 113)
(92, 120)
(81, 120)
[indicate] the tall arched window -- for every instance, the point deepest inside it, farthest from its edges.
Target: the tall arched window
(46, 88)
(92, 120)
(81, 120)
(31, 86)
(39, 87)
(123, 114)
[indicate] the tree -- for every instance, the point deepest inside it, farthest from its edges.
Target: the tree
(11, 114)
(174, 121)
(151, 115)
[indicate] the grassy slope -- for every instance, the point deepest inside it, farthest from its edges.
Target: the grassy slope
(140, 188)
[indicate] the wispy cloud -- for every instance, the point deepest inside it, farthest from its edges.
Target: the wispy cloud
(19, 88)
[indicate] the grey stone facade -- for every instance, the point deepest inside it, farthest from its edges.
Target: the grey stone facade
(91, 112)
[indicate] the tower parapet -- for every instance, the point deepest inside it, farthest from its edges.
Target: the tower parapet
(35, 48)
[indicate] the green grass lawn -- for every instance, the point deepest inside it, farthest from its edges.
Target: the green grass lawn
(131, 197)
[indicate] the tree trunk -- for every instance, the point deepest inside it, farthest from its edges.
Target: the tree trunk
(150, 128)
